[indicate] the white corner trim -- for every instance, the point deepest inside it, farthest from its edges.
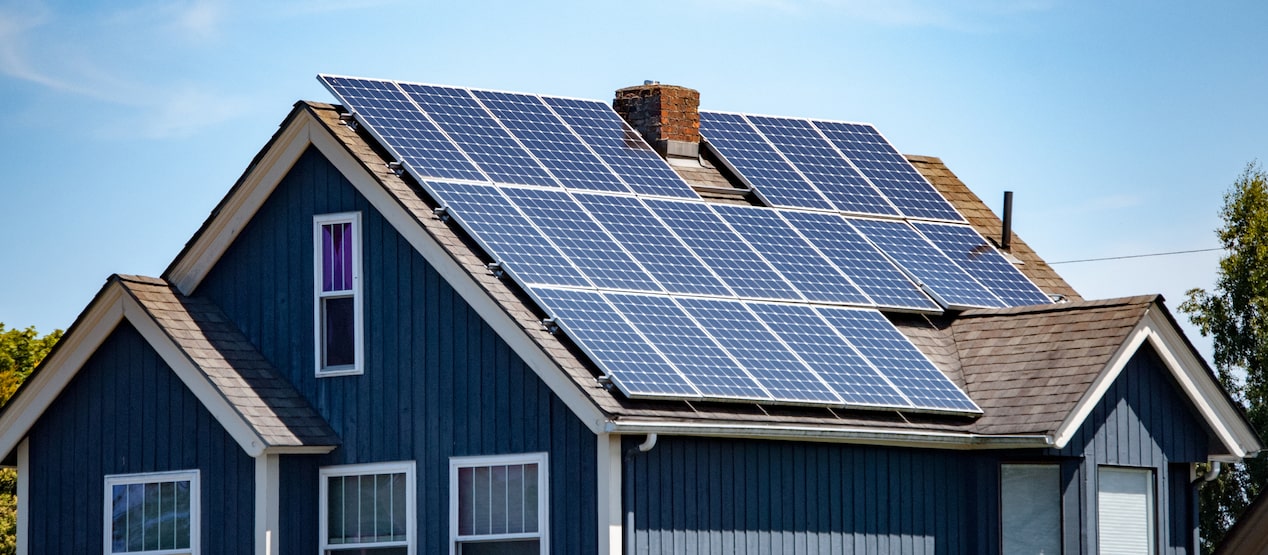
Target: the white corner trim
(458, 278)
(268, 478)
(608, 466)
(193, 378)
(24, 498)
(1208, 399)
(42, 388)
(241, 206)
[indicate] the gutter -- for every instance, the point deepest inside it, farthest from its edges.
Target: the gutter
(942, 440)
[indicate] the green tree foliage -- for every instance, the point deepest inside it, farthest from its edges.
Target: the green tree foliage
(20, 352)
(1235, 315)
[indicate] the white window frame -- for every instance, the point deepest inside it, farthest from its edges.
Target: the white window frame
(543, 498)
(411, 513)
(1055, 493)
(1151, 503)
(195, 503)
(319, 336)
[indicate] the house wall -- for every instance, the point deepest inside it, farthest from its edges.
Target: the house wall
(127, 412)
(694, 495)
(1143, 420)
(438, 382)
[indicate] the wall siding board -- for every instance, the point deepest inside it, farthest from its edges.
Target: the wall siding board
(125, 391)
(437, 381)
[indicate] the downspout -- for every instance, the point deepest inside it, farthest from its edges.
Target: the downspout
(651, 442)
(648, 443)
(1213, 472)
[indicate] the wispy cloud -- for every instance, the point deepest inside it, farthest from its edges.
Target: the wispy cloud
(958, 15)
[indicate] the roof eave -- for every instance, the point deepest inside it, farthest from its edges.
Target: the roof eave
(833, 434)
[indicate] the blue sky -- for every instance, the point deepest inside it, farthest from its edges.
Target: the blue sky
(1119, 125)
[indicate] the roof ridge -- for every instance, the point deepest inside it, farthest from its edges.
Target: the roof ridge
(1061, 307)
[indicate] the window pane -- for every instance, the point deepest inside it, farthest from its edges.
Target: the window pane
(521, 547)
(367, 508)
(398, 507)
(482, 501)
(515, 499)
(340, 331)
(369, 551)
(1030, 507)
(466, 493)
(1125, 511)
(530, 498)
(336, 257)
(497, 500)
(349, 509)
(150, 516)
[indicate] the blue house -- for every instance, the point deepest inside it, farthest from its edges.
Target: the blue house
(443, 320)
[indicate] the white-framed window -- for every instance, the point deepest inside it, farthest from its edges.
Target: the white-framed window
(498, 505)
(152, 514)
(1030, 509)
(337, 295)
(368, 509)
(1125, 511)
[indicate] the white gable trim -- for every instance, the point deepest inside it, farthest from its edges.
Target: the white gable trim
(99, 320)
(1224, 419)
(24, 500)
(305, 130)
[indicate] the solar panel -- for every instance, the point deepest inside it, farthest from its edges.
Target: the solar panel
(757, 162)
(814, 276)
(615, 346)
(898, 360)
(980, 259)
(888, 170)
(918, 257)
(826, 168)
(581, 239)
(836, 362)
(768, 360)
(722, 250)
(672, 332)
(652, 244)
(623, 149)
(858, 259)
(505, 234)
(398, 124)
(550, 141)
(479, 135)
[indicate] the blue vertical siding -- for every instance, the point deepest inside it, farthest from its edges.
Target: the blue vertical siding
(1144, 421)
(438, 382)
(124, 413)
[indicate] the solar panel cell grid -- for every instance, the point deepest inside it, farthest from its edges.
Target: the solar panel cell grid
(403, 129)
(680, 339)
(614, 345)
(830, 172)
(920, 258)
(479, 135)
(814, 276)
(550, 141)
(883, 282)
(888, 170)
(758, 162)
(980, 259)
(889, 351)
(722, 250)
(508, 236)
(839, 365)
(767, 359)
(623, 149)
(652, 244)
(581, 239)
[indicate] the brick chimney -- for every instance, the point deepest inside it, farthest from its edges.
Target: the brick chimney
(667, 116)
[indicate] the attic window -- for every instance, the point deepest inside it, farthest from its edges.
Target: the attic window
(337, 302)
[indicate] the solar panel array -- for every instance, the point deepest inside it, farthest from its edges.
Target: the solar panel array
(673, 297)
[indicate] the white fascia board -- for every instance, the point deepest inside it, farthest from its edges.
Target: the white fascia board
(610, 518)
(834, 434)
(1208, 398)
(456, 275)
(238, 209)
(57, 370)
(193, 378)
(24, 499)
(268, 479)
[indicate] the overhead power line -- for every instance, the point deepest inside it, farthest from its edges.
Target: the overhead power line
(1133, 256)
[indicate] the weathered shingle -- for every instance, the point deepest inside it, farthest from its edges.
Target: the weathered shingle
(232, 365)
